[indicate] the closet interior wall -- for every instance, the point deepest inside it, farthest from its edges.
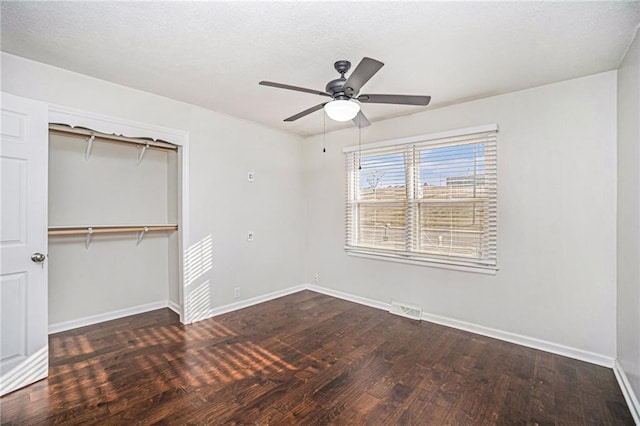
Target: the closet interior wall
(115, 272)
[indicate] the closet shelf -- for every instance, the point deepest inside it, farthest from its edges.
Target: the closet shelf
(89, 231)
(108, 229)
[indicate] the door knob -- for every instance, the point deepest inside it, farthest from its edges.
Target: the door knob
(38, 257)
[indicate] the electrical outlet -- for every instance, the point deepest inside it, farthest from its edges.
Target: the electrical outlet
(316, 278)
(236, 292)
(250, 236)
(251, 176)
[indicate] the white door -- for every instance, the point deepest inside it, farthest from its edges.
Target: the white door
(24, 350)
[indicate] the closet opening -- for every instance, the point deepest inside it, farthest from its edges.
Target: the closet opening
(114, 226)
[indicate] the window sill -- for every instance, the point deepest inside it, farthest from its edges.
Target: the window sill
(486, 270)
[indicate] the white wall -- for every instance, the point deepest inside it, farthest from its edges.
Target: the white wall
(223, 205)
(556, 217)
(628, 324)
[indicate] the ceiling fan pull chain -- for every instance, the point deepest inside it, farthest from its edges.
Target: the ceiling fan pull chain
(359, 147)
(324, 132)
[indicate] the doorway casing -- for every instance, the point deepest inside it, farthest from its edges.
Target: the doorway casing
(119, 126)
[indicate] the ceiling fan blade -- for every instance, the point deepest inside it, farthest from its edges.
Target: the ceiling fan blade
(394, 99)
(359, 77)
(361, 120)
(305, 112)
(296, 88)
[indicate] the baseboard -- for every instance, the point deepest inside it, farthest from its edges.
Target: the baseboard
(174, 307)
(246, 303)
(627, 391)
(518, 339)
(107, 316)
(349, 297)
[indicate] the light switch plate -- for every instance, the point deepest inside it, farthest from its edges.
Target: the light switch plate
(250, 236)
(251, 176)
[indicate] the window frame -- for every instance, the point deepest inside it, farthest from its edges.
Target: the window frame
(411, 147)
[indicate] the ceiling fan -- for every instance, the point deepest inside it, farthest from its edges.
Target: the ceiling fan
(344, 91)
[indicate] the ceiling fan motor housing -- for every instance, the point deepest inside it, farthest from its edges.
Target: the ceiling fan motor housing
(336, 87)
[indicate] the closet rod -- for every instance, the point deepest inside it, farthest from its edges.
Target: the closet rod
(65, 130)
(82, 230)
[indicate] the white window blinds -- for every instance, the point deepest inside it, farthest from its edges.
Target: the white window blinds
(431, 198)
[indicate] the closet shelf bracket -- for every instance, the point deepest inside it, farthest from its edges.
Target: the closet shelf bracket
(141, 151)
(87, 151)
(141, 234)
(87, 242)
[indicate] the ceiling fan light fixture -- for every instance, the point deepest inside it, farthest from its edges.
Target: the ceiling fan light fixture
(342, 110)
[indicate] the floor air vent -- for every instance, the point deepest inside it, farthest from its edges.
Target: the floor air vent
(404, 310)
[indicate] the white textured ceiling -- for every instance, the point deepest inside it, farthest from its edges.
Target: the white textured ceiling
(213, 54)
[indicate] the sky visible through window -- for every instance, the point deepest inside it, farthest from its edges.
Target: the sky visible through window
(437, 166)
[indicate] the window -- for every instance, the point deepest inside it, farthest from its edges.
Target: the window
(429, 199)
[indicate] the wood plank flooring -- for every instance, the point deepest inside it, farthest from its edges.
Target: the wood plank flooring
(307, 359)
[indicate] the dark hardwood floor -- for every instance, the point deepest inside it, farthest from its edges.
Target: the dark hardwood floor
(307, 359)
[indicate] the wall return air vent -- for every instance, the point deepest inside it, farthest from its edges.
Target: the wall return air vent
(405, 310)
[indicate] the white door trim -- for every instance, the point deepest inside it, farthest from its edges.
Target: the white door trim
(120, 126)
